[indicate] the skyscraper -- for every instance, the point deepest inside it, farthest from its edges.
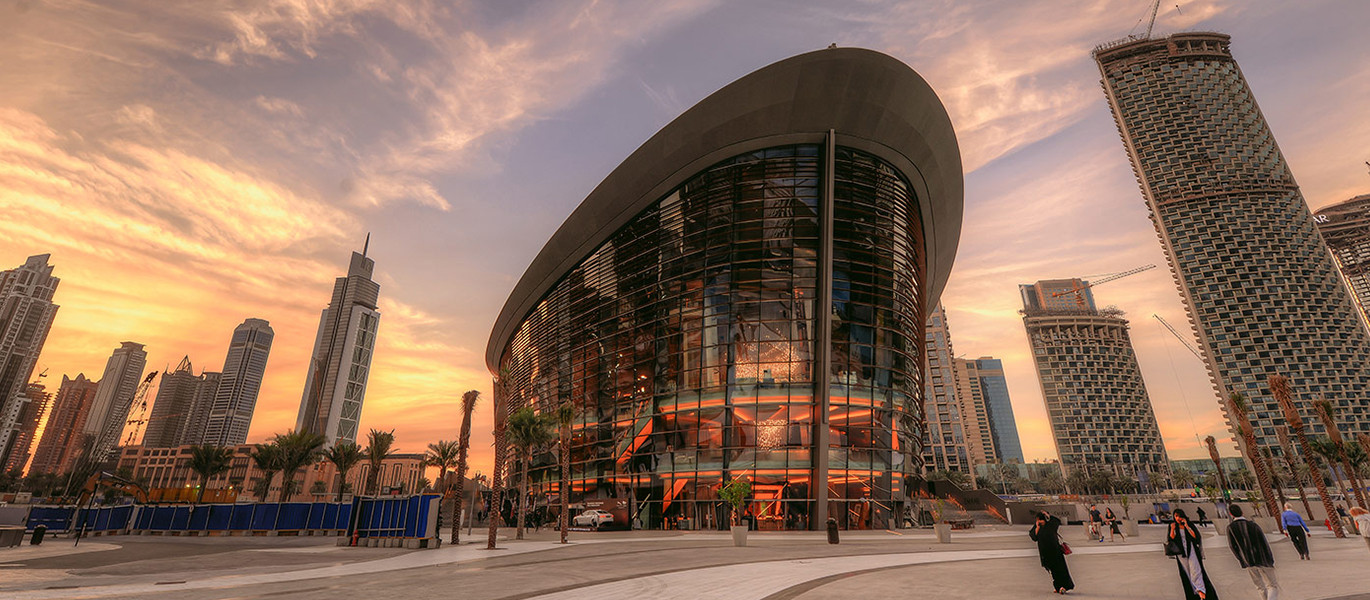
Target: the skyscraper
(236, 397)
(62, 438)
(336, 383)
(1346, 228)
(1262, 292)
(989, 371)
(38, 400)
(945, 448)
(109, 411)
(983, 390)
(974, 413)
(26, 313)
(1101, 416)
(182, 408)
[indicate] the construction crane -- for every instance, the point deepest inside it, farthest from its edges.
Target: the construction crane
(140, 405)
(1184, 342)
(1080, 289)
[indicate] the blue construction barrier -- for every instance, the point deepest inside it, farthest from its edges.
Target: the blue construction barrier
(203, 518)
(57, 518)
(409, 517)
(385, 517)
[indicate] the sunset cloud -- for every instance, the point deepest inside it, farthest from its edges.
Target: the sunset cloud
(189, 165)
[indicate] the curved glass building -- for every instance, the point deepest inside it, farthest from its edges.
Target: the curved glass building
(745, 296)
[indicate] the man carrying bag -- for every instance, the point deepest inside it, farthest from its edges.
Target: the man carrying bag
(1249, 546)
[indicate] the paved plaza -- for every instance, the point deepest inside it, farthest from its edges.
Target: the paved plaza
(992, 562)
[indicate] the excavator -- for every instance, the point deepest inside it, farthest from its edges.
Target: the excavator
(111, 481)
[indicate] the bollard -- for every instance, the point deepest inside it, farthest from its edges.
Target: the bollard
(832, 530)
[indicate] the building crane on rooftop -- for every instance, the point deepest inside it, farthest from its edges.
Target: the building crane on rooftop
(1184, 342)
(1079, 289)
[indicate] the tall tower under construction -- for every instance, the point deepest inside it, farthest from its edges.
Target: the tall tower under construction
(1262, 292)
(1100, 413)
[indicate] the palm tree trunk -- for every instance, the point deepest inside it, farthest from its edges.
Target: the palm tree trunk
(341, 481)
(565, 491)
(497, 479)
(204, 483)
(1355, 480)
(1322, 485)
(1264, 468)
(468, 404)
(1279, 387)
(1288, 451)
(523, 493)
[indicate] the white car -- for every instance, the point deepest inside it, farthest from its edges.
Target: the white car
(593, 518)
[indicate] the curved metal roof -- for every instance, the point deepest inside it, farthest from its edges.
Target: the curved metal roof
(872, 102)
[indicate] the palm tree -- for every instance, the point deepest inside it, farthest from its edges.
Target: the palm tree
(442, 455)
(1053, 483)
(344, 455)
(1330, 453)
(1279, 387)
(208, 462)
(1328, 413)
(299, 449)
(501, 410)
(564, 416)
(1212, 444)
(267, 458)
(468, 404)
(1181, 477)
(528, 431)
(1297, 471)
(1078, 482)
(1240, 410)
(377, 450)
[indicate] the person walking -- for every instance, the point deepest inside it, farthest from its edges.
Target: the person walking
(1113, 525)
(1249, 545)
(1047, 533)
(1096, 521)
(1296, 529)
(1362, 519)
(1184, 543)
(1203, 517)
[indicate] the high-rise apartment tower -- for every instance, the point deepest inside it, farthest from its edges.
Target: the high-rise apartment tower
(985, 385)
(38, 401)
(1101, 416)
(1262, 292)
(341, 362)
(182, 408)
(61, 440)
(26, 313)
(109, 411)
(241, 381)
(1346, 228)
(945, 447)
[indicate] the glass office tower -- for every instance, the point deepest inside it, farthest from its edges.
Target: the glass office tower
(745, 297)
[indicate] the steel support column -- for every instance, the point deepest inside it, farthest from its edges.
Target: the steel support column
(822, 339)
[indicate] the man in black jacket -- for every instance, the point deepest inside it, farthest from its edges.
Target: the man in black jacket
(1249, 546)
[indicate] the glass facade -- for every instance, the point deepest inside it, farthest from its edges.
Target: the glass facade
(688, 346)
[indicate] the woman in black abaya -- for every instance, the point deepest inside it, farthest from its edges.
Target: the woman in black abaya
(1046, 532)
(1184, 543)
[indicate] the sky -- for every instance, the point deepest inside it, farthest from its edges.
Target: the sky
(192, 164)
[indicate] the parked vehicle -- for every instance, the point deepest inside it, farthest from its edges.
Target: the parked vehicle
(593, 518)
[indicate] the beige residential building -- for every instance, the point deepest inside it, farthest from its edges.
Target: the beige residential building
(167, 475)
(1100, 414)
(1346, 228)
(1263, 294)
(26, 314)
(62, 439)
